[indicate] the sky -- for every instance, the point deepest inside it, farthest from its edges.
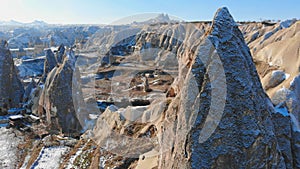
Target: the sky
(108, 11)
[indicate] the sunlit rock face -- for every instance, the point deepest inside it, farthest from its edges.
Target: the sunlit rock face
(11, 88)
(244, 134)
(215, 113)
(219, 115)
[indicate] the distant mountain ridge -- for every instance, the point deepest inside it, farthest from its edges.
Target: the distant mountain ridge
(17, 23)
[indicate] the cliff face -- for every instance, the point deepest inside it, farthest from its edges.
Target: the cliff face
(11, 88)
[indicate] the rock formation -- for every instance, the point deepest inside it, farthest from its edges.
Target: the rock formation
(50, 63)
(30, 67)
(214, 113)
(244, 136)
(275, 50)
(220, 116)
(287, 133)
(29, 89)
(56, 100)
(60, 54)
(11, 88)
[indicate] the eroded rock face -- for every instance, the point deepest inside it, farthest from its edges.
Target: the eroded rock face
(50, 62)
(289, 97)
(60, 54)
(274, 47)
(56, 100)
(287, 134)
(220, 116)
(29, 89)
(11, 88)
(244, 136)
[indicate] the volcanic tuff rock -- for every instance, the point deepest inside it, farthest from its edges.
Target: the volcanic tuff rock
(274, 47)
(11, 88)
(56, 99)
(60, 54)
(29, 89)
(220, 117)
(217, 115)
(287, 132)
(274, 79)
(289, 97)
(244, 137)
(50, 62)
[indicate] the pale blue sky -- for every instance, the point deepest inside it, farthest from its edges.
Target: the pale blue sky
(107, 11)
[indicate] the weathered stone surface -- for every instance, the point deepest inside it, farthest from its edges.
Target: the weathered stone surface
(29, 89)
(56, 100)
(287, 123)
(11, 88)
(60, 54)
(30, 67)
(290, 97)
(244, 137)
(50, 63)
(296, 144)
(283, 130)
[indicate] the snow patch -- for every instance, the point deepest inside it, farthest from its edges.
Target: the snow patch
(287, 76)
(287, 23)
(9, 148)
(50, 158)
(282, 110)
(102, 162)
(72, 159)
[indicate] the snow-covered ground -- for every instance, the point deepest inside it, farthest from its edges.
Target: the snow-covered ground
(49, 157)
(30, 67)
(9, 148)
(72, 159)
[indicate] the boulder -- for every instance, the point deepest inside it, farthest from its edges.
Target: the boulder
(274, 79)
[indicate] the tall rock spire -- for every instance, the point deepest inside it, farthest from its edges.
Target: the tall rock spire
(11, 88)
(243, 134)
(56, 99)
